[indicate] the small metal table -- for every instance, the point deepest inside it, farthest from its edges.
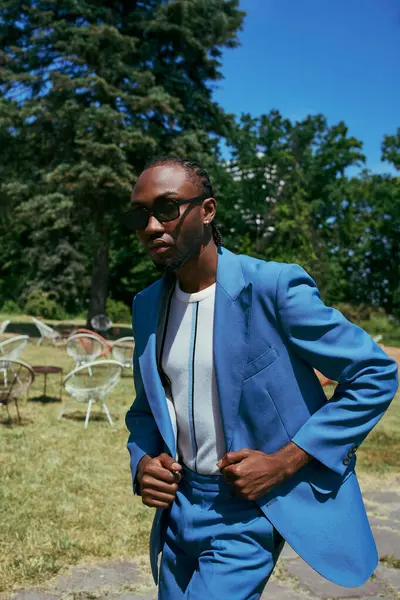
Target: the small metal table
(48, 370)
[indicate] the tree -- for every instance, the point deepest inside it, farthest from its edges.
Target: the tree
(391, 149)
(277, 197)
(99, 88)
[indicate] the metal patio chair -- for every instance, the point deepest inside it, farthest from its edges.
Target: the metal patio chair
(107, 344)
(101, 323)
(3, 326)
(84, 348)
(11, 348)
(91, 383)
(16, 377)
(47, 333)
(122, 350)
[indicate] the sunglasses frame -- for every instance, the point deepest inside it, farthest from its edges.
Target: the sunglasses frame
(152, 213)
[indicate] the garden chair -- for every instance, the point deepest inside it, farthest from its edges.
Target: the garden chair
(91, 383)
(122, 350)
(84, 348)
(15, 379)
(3, 326)
(101, 323)
(107, 344)
(47, 333)
(11, 349)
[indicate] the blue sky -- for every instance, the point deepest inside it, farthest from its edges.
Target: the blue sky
(336, 57)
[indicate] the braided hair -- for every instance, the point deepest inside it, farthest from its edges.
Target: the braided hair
(196, 172)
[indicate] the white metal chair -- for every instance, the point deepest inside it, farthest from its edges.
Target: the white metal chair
(46, 332)
(101, 323)
(3, 326)
(91, 383)
(11, 349)
(122, 350)
(15, 378)
(84, 348)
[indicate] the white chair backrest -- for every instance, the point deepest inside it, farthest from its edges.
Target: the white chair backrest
(10, 349)
(3, 326)
(15, 378)
(84, 347)
(122, 350)
(45, 330)
(101, 323)
(94, 378)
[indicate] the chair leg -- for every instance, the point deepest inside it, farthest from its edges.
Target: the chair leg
(107, 412)
(88, 413)
(40, 341)
(19, 416)
(64, 408)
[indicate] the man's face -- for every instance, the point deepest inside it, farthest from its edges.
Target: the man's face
(170, 244)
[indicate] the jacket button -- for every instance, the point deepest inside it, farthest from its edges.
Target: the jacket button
(350, 454)
(354, 449)
(346, 461)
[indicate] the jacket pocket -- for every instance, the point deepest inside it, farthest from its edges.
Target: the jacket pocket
(262, 362)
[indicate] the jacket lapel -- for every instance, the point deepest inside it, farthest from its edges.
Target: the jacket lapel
(231, 337)
(148, 362)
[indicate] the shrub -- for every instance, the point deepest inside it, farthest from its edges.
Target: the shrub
(117, 311)
(10, 306)
(44, 304)
(361, 312)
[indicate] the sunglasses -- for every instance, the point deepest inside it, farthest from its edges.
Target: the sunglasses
(163, 209)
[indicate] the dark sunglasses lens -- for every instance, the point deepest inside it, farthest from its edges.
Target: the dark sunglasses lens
(136, 219)
(166, 210)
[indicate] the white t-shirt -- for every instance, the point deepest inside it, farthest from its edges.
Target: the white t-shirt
(192, 397)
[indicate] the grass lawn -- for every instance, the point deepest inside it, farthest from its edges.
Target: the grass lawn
(66, 494)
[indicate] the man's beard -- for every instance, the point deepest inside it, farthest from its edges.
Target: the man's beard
(171, 265)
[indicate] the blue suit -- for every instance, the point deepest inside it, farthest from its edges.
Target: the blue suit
(270, 330)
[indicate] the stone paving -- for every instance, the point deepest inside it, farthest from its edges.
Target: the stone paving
(293, 578)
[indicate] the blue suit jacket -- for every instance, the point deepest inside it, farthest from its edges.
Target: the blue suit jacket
(271, 328)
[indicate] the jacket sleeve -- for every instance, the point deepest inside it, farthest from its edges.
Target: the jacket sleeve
(144, 435)
(367, 378)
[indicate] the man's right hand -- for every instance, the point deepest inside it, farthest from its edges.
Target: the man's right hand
(158, 479)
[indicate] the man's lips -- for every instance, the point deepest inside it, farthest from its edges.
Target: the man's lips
(158, 248)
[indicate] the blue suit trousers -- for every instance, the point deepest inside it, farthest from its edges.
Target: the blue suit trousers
(216, 544)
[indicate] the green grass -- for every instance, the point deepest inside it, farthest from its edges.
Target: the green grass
(66, 492)
(380, 452)
(388, 328)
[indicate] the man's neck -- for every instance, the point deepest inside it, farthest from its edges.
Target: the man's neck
(199, 272)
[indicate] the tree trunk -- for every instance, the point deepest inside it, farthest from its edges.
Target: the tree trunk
(99, 288)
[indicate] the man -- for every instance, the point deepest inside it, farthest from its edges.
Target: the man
(232, 439)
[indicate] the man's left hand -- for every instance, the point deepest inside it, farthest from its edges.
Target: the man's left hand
(253, 474)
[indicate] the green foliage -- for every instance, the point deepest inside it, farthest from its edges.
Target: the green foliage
(361, 312)
(44, 304)
(10, 307)
(89, 92)
(391, 149)
(117, 311)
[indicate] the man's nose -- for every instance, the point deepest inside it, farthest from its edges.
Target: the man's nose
(154, 226)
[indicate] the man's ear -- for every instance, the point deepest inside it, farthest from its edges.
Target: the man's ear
(209, 210)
